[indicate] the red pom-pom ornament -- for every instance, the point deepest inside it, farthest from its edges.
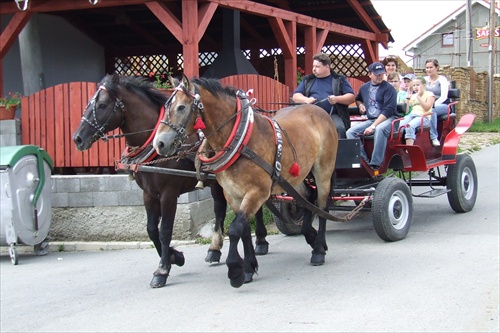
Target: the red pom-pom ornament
(199, 124)
(295, 170)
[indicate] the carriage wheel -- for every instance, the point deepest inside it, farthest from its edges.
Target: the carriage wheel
(392, 209)
(462, 183)
(294, 215)
(14, 257)
(42, 248)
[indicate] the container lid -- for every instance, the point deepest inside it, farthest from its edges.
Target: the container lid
(10, 155)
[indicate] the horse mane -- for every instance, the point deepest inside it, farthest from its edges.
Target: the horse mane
(214, 87)
(135, 84)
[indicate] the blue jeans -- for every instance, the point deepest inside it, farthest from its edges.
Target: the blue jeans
(413, 122)
(438, 110)
(380, 137)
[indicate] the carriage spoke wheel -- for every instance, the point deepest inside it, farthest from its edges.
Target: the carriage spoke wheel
(293, 213)
(392, 209)
(462, 183)
(14, 257)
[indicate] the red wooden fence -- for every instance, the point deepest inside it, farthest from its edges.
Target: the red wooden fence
(51, 116)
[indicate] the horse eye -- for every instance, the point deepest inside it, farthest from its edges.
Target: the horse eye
(181, 108)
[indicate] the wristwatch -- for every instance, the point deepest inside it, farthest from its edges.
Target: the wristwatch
(372, 127)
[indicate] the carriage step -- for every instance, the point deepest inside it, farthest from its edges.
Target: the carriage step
(432, 193)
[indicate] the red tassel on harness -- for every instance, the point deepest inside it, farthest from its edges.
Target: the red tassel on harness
(295, 170)
(199, 124)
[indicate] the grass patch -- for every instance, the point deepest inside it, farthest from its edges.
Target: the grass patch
(267, 215)
(60, 248)
(486, 126)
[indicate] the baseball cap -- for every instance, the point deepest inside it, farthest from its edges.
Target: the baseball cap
(377, 68)
(409, 77)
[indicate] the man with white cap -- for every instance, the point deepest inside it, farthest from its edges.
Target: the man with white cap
(376, 99)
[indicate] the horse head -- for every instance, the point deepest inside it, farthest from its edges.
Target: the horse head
(181, 112)
(128, 102)
(104, 113)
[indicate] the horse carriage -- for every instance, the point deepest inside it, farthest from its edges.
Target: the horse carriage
(293, 162)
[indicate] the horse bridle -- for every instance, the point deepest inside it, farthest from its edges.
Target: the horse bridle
(100, 132)
(197, 104)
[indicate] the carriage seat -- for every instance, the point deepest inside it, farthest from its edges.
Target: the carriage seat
(453, 96)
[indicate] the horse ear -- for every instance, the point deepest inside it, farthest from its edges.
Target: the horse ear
(115, 78)
(185, 81)
(173, 81)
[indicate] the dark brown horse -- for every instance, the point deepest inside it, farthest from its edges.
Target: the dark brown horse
(303, 140)
(133, 105)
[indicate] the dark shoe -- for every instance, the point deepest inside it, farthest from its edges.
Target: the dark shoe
(374, 166)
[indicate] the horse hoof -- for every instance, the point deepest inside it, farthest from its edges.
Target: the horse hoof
(317, 259)
(248, 277)
(158, 281)
(261, 249)
(238, 282)
(177, 258)
(213, 256)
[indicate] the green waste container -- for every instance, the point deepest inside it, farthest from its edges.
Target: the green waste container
(25, 192)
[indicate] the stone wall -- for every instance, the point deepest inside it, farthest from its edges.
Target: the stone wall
(110, 208)
(473, 90)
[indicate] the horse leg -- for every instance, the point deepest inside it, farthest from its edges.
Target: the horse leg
(220, 207)
(261, 245)
(153, 212)
(320, 247)
(307, 229)
(168, 209)
(250, 261)
(236, 272)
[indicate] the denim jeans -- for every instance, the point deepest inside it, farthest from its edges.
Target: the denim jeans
(382, 132)
(438, 110)
(413, 122)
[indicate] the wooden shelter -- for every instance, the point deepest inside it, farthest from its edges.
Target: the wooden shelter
(140, 37)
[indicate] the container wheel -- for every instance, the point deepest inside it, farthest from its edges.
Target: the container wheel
(392, 209)
(293, 213)
(14, 257)
(42, 248)
(462, 183)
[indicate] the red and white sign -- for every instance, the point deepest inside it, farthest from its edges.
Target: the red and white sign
(482, 33)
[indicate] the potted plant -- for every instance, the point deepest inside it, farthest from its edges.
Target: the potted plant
(9, 104)
(161, 81)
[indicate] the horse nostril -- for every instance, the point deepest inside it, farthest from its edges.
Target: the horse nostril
(78, 140)
(161, 144)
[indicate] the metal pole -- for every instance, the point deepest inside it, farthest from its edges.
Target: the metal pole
(492, 57)
(468, 44)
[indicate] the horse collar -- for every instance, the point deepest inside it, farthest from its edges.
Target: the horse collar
(240, 135)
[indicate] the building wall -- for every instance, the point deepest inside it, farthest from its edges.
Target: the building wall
(456, 55)
(68, 55)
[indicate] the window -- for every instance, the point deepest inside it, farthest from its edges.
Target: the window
(448, 39)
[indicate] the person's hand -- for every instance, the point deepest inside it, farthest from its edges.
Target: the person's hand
(332, 99)
(369, 130)
(362, 108)
(310, 100)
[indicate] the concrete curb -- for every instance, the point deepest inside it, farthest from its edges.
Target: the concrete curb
(90, 246)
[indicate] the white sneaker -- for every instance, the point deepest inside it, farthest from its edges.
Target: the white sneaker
(436, 143)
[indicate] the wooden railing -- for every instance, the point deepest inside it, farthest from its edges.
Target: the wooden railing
(50, 117)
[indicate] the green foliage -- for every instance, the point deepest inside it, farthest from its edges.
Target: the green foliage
(268, 219)
(486, 126)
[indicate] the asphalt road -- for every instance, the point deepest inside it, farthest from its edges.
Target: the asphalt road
(444, 277)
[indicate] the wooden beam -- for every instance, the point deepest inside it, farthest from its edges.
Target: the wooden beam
(281, 34)
(368, 21)
(190, 38)
(12, 30)
(42, 6)
(206, 12)
(269, 11)
(311, 46)
(169, 20)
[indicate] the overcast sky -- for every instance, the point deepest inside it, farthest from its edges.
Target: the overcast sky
(410, 19)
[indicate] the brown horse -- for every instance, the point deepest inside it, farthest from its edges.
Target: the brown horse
(132, 104)
(303, 140)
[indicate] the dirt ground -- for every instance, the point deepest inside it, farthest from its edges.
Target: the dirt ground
(474, 141)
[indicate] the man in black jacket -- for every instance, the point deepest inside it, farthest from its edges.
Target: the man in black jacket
(329, 90)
